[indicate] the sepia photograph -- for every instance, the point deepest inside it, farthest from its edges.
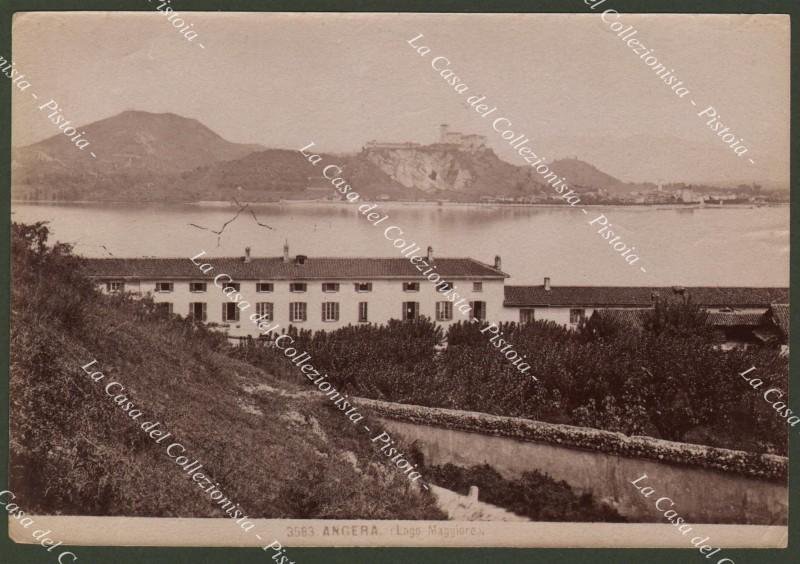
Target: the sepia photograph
(284, 280)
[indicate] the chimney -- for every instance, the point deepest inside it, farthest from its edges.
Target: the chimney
(247, 254)
(546, 283)
(286, 251)
(497, 263)
(300, 260)
(430, 255)
(443, 132)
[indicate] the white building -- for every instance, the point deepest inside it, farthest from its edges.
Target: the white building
(308, 292)
(322, 293)
(567, 305)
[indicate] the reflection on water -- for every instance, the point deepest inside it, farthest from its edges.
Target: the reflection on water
(738, 246)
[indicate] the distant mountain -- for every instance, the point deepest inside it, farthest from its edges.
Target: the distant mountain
(431, 172)
(666, 158)
(275, 174)
(583, 174)
(143, 156)
(135, 150)
(136, 140)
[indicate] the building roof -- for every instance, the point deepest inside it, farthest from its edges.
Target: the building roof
(639, 296)
(629, 317)
(273, 268)
(636, 317)
(735, 319)
(780, 316)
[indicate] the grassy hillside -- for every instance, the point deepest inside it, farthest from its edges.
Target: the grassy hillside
(274, 448)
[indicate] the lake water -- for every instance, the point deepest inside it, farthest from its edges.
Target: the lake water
(726, 247)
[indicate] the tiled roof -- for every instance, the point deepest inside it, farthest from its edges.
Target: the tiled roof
(780, 315)
(321, 268)
(735, 319)
(639, 296)
(628, 317)
(636, 317)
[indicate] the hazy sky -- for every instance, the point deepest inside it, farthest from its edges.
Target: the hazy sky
(340, 80)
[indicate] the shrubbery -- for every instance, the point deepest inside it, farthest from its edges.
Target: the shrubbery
(379, 361)
(667, 380)
(533, 495)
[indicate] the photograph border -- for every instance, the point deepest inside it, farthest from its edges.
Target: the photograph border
(23, 554)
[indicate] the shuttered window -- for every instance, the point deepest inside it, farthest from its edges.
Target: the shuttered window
(230, 312)
(264, 310)
(297, 311)
(410, 310)
(330, 311)
(198, 311)
(444, 311)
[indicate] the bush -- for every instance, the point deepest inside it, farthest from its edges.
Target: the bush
(667, 381)
(533, 495)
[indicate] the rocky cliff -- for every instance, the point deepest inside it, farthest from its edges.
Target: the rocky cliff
(447, 171)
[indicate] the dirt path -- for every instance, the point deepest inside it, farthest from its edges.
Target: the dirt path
(465, 508)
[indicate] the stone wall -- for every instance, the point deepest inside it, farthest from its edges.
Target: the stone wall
(707, 484)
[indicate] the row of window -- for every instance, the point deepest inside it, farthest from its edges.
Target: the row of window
(298, 311)
(264, 287)
(528, 315)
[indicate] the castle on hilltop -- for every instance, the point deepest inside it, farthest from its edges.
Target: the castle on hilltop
(453, 140)
(470, 142)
